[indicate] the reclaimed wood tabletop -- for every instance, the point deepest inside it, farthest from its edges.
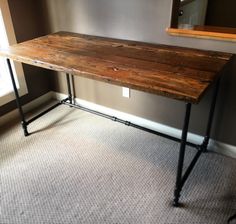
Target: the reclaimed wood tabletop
(176, 72)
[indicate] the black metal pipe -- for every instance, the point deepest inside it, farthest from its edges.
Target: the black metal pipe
(178, 185)
(43, 113)
(129, 123)
(88, 110)
(190, 168)
(164, 135)
(64, 100)
(21, 113)
(212, 109)
(73, 88)
(233, 217)
(69, 87)
(210, 117)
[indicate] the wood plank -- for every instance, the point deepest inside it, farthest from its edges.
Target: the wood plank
(120, 58)
(74, 38)
(205, 62)
(216, 29)
(205, 33)
(180, 73)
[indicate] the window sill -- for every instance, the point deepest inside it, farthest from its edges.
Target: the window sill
(205, 32)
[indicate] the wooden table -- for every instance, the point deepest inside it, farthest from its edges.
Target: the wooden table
(179, 73)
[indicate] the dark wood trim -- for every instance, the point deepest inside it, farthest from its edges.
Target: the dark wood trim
(175, 13)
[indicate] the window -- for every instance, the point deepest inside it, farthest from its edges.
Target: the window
(7, 36)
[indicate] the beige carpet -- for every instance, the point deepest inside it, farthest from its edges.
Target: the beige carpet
(80, 168)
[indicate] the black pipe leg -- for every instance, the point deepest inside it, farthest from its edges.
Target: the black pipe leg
(69, 87)
(210, 118)
(178, 185)
(24, 126)
(22, 116)
(233, 217)
(73, 89)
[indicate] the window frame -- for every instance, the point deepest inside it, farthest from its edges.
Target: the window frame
(16, 66)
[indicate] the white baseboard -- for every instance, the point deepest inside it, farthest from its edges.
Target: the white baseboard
(27, 107)
(215, 146)
(223, 148)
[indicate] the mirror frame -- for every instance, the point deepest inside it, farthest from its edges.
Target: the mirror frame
(206, 32)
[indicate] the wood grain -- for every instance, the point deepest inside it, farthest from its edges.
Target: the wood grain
(180, 73)
(206, 32)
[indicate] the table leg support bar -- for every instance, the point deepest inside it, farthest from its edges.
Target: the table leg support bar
(24, 122)
(43, 113)
(128, 123)
(22, 116)
(210, 118)
(68, 79)
(178, 185)
(180, 180)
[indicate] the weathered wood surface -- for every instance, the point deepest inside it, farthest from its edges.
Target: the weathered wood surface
(179, 73)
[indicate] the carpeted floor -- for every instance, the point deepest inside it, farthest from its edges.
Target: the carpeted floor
(80, 168)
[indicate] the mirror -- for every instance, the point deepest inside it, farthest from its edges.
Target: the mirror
(204, 15)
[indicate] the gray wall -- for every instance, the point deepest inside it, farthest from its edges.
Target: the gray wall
(27, 24)
(144, 21)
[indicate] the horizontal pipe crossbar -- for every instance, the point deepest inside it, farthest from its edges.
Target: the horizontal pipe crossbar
(43, 113)
(127, 123)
